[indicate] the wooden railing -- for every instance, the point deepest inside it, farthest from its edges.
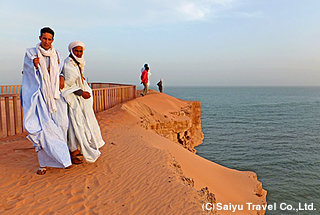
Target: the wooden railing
(11, 115)
(10, 89)
(105, 96)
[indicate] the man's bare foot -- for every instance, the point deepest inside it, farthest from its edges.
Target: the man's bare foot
(42, 170)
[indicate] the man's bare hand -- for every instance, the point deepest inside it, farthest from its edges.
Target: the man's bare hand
(36, 62)
(86, 95)
(61, 82)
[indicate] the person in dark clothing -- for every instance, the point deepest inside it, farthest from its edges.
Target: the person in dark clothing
(160, 85)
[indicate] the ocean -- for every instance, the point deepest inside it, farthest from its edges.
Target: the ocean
(272, 131)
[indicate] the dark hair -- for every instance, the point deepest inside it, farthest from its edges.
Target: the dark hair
(46, 30)
(147, 68)
(146, 65)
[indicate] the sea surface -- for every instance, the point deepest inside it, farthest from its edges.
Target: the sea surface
(272, 131)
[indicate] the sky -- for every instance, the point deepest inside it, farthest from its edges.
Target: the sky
(185, 42)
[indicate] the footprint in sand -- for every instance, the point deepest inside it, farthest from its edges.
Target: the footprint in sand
(75, 199)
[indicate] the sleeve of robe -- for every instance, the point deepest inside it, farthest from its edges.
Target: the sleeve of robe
(73, 82)
(30, 89)
(71, 78)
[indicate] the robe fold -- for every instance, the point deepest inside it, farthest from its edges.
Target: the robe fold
(47, 131)
(84, 131)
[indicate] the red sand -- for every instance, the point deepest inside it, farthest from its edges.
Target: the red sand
(137, 173)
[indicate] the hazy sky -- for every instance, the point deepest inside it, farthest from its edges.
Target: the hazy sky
(185, 42)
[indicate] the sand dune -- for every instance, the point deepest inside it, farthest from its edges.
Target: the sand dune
(139, 172)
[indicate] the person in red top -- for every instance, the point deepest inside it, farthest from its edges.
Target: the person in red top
(145, 80)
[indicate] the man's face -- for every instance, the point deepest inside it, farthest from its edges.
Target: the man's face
(78, 51)
(46, 40)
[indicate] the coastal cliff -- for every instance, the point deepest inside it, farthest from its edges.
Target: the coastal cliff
(180, 122)
(147, 166)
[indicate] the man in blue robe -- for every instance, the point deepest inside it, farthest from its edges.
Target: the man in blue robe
(45, 116)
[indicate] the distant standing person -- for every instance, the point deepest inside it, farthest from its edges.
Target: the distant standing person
(84, 135)
(149, 74)
(45, 116)
(160, 85)
(145, 79)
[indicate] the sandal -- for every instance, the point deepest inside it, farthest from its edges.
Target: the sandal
(76, 160)
(42, 170)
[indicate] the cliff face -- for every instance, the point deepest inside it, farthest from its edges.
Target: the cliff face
(180, 124)
(179, 121)
(188, 131)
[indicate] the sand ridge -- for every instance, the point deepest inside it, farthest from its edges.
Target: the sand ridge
(138, 172)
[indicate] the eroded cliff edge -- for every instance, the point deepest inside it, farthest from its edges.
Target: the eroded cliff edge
(179, 121)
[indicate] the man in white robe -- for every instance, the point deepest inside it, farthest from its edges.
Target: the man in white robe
(84, 135)
(44, 109)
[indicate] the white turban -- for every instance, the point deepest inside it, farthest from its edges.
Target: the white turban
(73, 45)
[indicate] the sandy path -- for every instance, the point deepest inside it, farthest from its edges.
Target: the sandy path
(134, 175)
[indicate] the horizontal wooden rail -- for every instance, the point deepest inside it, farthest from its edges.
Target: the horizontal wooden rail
(107, 85)
(10, 89)
(105, 96)
(11, 115)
